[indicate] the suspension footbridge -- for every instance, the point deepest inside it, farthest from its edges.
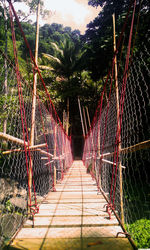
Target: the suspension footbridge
(73, 217)
(50, 201)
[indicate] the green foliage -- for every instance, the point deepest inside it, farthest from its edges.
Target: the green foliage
(140, 230)
(55, 33)
(9, 207)
(67, 58)
(66, 78)
(99, 35)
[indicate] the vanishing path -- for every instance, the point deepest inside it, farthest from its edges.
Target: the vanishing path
(72, 218)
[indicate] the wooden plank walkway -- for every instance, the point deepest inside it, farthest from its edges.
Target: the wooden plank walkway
(74, 217)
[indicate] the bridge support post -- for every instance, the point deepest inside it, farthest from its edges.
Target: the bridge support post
(98, 152)
(54, 175)
(33, 110)
(118, 122)
(55, 169)
(121, 193)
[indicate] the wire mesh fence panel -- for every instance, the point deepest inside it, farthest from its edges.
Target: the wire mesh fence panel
(28, 171)
(116, 150)
(135, 154)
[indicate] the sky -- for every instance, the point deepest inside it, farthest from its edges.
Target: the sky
(74, 13)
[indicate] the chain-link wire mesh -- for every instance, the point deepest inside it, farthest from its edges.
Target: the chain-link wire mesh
(47, 159)
(121, 164)
(35, 151)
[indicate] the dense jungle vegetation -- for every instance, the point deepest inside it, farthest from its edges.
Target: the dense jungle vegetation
(72, 64)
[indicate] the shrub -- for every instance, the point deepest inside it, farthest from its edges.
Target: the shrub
(140, 231)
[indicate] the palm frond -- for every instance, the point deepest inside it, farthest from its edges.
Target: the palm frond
(45, 67)
(57, 48)
(51, 58)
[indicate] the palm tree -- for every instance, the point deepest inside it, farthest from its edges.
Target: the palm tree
(67, 60)
(66, 63)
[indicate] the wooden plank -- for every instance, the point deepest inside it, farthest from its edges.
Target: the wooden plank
(73, 243)
(72, 214)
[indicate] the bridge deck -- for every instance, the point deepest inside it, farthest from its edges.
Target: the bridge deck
(74, 217)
